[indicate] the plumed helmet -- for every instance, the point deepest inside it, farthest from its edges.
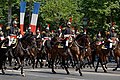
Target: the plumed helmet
(15, 22)
(43, 32)
(0, 28)
(38, 30)
(69, 23)
(99, 34)
(113, 28)
(29, 28)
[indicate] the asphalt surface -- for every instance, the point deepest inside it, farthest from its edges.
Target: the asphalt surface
(46, 74)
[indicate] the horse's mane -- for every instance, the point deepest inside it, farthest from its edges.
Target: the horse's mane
(2, 41)
(26, 36)
(78, 36)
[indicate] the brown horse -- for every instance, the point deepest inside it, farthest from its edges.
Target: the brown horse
(117, 55)
(20, 50)
(102, 54)
(85, 48)
(73, 50)
(3, 55)
(40, 53)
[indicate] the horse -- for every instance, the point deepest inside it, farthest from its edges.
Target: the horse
(3, 56)
(40, 54)
(102, 54)
(85, 48)
(20, 50)
(72, 50)
(117, 55)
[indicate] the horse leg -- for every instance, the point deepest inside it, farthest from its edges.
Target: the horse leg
(89, 62)
(118, 63)
(37, 62)
(26, 61)
(53, 66)
(40, 62)
(80, 72)
(19, 63)
(103, 66)
(10, 61)
(93, 59)
(22, 64)
(97, 65)
(2, 69)
(33, 62)
(49, 61)
(2, 64)
(106, 62)
(80, 63)
(66, 68)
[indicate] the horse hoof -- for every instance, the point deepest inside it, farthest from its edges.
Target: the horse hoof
(3, 73)
(80, 74)
(5, 68)
(41, 66)
(95, 70)
(105, 71)
(76, 69)
(23, 75)
(114, 69)
(53, 72)
(15, 68)
(68, 73)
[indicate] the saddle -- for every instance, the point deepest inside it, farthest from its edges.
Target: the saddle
(4, 44)
(2, 38)
(11, 42)
(98, 42)
(61, 43)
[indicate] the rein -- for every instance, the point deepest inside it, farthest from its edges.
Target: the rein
(74, 41)
(22, 46)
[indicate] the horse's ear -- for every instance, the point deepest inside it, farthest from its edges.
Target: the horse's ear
(78, 36)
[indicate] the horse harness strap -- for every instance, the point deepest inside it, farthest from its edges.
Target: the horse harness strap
(22, 47)
(79, 45)
(82, 47)
(27, 49)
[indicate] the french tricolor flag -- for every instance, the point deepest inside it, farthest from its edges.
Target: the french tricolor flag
(34, 17)
(22, 15)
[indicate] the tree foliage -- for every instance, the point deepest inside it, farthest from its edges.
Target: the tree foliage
(99, 12)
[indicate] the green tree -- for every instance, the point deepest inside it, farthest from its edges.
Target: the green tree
(55, 10)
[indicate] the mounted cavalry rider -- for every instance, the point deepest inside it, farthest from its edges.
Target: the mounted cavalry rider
(60, 31)
(68, 34)
(1, 32)
(84, 31)
(14, 28)
(112, 38)
(14, 33)
(38, 34)
(99, 39)
(46, 35)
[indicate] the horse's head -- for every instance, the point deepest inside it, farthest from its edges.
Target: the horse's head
(83, 40)
(86, 40)
(29, 40)
(118, 44)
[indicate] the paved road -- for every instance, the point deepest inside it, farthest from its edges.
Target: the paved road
(45, 74)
